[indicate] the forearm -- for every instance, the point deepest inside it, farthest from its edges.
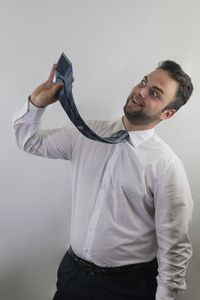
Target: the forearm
(56, 143)
(26, 125)
(172, 262)
(166, 293)
(173, 210)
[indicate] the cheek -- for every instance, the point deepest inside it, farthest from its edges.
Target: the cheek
(133, 91)
(154, 109)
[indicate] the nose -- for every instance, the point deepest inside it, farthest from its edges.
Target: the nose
(143, 91)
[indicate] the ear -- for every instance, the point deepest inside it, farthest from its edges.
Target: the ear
(167, 113)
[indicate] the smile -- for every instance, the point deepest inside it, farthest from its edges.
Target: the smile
(135, 101)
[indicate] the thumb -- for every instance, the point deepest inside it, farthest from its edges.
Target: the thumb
(57, 87)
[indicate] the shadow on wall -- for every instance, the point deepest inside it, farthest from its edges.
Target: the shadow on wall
(192, 281)
(31, 279)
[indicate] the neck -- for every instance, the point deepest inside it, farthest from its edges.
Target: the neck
(133, 127)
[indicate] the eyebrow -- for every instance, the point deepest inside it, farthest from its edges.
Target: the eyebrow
(155, 87)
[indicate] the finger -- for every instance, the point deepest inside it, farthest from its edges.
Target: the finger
(52, 72)
(56, 88)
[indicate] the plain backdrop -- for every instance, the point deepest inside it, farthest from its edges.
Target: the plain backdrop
(112, 45)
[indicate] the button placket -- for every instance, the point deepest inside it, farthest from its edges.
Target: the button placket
(99, 202)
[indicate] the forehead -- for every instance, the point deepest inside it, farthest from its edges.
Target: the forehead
(162, 80)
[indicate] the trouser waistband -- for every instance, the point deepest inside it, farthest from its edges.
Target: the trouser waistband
(91, 267)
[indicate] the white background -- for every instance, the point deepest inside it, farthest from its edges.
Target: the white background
(112, 45)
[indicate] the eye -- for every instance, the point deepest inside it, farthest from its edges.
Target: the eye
(142, 82)
(155, 94)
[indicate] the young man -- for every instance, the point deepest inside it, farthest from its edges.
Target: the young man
(131, 205)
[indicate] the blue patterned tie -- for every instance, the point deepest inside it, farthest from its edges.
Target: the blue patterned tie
(64, 73)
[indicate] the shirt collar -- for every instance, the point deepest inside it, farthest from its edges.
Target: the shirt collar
(139, 137)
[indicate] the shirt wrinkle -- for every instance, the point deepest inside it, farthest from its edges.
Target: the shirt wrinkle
(106, 180)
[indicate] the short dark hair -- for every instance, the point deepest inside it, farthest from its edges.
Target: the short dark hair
(185, 84)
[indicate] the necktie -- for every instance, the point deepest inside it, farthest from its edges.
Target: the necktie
(64, 73)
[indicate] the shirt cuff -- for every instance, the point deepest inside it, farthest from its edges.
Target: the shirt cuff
(30, 112)
(165, 293)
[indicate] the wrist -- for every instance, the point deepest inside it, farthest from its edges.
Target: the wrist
(34, 103)
(166, 293)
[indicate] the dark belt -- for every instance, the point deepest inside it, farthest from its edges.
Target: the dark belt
(92, 268)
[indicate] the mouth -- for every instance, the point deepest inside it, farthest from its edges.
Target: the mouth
(135, 101)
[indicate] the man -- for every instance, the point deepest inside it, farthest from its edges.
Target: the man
(131, 205)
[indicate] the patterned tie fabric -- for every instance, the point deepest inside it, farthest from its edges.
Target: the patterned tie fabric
(64, 73)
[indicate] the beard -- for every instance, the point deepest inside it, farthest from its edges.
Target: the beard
(140, 117)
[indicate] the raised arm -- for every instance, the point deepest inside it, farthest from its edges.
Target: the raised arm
(54, 143)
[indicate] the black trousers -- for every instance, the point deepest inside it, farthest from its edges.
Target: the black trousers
(75, 283)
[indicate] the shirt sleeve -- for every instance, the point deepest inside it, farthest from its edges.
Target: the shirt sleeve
(53, 143)
(173, 211)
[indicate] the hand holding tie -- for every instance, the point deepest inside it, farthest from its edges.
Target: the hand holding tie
(47, 92)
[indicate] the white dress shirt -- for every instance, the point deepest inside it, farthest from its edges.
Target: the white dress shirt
(131, 201)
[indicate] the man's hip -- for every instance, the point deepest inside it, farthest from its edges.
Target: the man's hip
(81, 280)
